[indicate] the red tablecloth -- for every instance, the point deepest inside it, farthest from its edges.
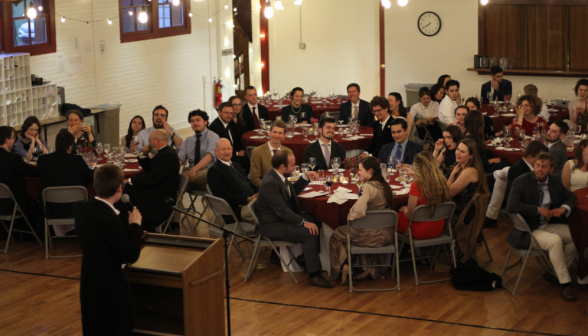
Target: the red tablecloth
(333, 214)
(332, 105)
(34, 183)
(297, 144)
(579, 229)
(514, 157)
(499, 121)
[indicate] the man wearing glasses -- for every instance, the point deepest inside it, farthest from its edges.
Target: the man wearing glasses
(160, 114)
(382, 132)
(226, 128)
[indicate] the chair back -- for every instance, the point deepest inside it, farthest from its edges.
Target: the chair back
(220, 206)
(5, 192)
(208, 190)
(375, 219)
(520, 223)
(183, 183)
(251, 207)
(68, 194)
(250, 150)
(442, 125)
(443, 211)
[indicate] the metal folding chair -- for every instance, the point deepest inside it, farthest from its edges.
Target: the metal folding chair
(183, 182)
(421, 214)
(249, 150)
(520, 224)
(428, 137)
(5, 193)
(442, 125)
(60, 195)
(374, 219)
(194, 194)
(266, 242)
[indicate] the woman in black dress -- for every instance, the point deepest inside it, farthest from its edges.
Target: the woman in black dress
(298, 109)
(445, 149)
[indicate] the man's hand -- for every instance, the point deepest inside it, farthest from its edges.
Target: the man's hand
(251, 198)
(312, 175)
(558, 212)
(495, 84)
(135, 216)
(546, 213)
(312, 228)
(419, 122)
(493, 160)
(363, 156)
(168, 128)
(192, 174)
(145, 149)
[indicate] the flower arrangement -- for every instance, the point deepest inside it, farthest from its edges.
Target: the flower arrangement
(351, 162)
(87, 147)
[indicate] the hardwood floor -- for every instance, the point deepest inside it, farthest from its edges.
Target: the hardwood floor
(40, 297)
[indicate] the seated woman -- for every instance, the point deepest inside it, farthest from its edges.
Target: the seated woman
(429, 187)
(81, 131)
(578, 107)
(528, 108)
(29, 139)
(438, 93)
(136, 125)
(575, 172)
(425, 113)
(397, 109)
(375, 194)
(445, 149)
(474, 125)
(489, 132)
(237, 111)
(443, 79)
(302, 112)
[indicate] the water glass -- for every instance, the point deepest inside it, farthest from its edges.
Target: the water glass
(106, 148)
(305, 133)
(312, 163)
(99, 148)
(296, 171)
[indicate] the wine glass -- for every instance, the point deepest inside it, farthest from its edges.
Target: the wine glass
(398, 164)
(99, 148)
(384, 170)
(336, 163)
(329, 181)
(106, 148)
(305, 167)
(391, 161)
(521, 134)
(507, 137)
(312, 162)
(82, 127)
(302, 116)
(305, 133)
(296, 171)
(358, 181)
(489, 96)
(78, 149)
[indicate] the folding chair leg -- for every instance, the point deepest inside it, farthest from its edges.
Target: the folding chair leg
(30, 227)
(253, 262)
(10, 231)
(46, 240)
(416, 276)
(282, 259)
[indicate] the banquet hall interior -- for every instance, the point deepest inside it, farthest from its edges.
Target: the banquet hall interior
(115, 60)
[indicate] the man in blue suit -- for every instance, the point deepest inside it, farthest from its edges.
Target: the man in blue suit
(401, 147)
(356, 107)
(498, 86)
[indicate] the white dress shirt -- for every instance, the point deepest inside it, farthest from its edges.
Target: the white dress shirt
(256, 109)
(447, 110)
(384, 123)
(225, 125)
(272, 148)
(323, 150)
(428, 112)
(544, 113)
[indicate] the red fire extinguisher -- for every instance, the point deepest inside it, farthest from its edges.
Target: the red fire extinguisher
(218, 94)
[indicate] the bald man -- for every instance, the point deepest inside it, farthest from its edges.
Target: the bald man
(148, 192)
(228, 180)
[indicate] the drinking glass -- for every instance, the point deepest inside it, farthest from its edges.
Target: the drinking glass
(302, 116)
(122, 150)
(398, 164)
(358, 181)
(78, 149)
(99, 148)
(336, 163)
(312, 163)
(82, 137)
(391, 161)
(106, 148)
(384, 169)
(521, 134)
(296, 171)
(329, 181)
(489, 96)
(563, 99)
(305, 167)
(507, 137)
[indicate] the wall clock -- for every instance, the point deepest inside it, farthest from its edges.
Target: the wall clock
(429, 24)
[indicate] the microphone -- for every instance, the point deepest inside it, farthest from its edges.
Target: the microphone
(127, 200)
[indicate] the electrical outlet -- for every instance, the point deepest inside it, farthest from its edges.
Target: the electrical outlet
(302, 45)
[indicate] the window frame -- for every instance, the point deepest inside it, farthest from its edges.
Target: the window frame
(154, 32)
(6, 35)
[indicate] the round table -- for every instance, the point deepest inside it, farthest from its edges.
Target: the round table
(274, 107)
(499, 120)
(579, 229)
(333, 214)
(514, 157)
(297, 144)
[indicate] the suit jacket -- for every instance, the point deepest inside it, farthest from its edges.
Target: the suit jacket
(516, 170)
(223, 185)
(13, 171)
(149, 192)
(261, 163)
(412, 149)
(236, 132)
(381, 137)
(314, 150)
(560, 154)
(275, 206)
(504, 88)
(365, 116)
(107, 242)
(248, 116)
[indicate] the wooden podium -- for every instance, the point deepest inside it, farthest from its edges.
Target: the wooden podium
(177, 286)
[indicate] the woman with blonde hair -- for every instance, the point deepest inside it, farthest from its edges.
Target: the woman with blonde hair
(428, 188)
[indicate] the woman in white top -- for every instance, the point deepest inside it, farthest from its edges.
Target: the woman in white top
(575, 172)
(425, 113)
(578, 106)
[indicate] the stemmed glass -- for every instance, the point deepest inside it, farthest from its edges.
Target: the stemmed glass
(305, 167)
(489, 95)
(99, 149)
(82, 137)
(336, 163)
(296, 171)
(507, 137)
(391, 162)
(329, 180)
(106, 148)
(384, 171)
(312, 162)
(305, 133)
(302, 116)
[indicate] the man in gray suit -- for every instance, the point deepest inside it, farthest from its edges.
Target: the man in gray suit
(556, 132)
(280, 217)
(545, 204)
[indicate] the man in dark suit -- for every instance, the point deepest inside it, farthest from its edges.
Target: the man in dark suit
(228, 181)
(401, 148)
(108, 243)
(225, 127)
(280, 217)
(358, 108)
(382, 133)
(545, 204)
(499, 86)
(554, 137)
(252, 111)
(149, 192)
(324, 149)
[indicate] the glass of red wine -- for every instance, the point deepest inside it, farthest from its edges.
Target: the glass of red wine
(329, 181)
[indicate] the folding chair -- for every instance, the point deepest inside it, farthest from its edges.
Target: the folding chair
(442, 125)
(194, 194)
(249, 150)
(482, 239)
(183, 182)
(520, 224)
(266, 242)
(60, 195)
(222, 208)
(5, 193)
(428, 137)
(421, 214)
(374, 219)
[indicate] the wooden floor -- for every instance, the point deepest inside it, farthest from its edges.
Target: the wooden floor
(40, 297)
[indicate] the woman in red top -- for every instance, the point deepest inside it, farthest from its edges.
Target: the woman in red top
(527, 115)
(429, 188)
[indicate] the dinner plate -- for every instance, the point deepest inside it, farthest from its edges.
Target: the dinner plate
(257, 137)
(400, 192)
(339, 170)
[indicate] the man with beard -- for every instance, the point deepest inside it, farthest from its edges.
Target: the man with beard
(325, 149)
(497, 86)
(545, 204)
(159, 118)
(556, 132)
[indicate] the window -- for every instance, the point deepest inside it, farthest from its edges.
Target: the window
(21, 34)
(164, 18)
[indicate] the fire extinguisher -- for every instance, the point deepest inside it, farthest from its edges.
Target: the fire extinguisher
(218, 94)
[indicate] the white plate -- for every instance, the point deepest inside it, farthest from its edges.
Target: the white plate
(257, 137)
(399, 192)
(339, 170)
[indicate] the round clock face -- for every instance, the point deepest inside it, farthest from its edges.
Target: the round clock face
(429, 24)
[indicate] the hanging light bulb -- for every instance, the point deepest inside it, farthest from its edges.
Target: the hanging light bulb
(209, 19)
(176, 2)
(130, 13)
(143, 15)
(40, 8)
(298, 2)
(268, 12)
(235, 9)
(402, 3)
(386, 4)
(63, 19)
(278, 5)
(484, 2)
(109, 21)
(190, 14)
(226, 6)
(32, 12)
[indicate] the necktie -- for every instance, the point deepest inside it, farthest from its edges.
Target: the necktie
(327, 155)
(197, 149)
(355, 112)
(229, 135)
(398, 154)
(540, 194)
(255, 118)
(273, 152)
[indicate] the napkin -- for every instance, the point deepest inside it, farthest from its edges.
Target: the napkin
(343, 190)
(395, 186)
(509, 115)
(130, 155)
(346, 196)
(315, 183)
(132, 161)
(335, 199)
(312, 194)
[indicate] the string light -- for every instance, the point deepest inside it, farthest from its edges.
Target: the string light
(143, 18)
(210, 19)
(130, 13)
(268, 12)
(402, 3)
(32, 12)
(176, 2)
(63, 19)
(386, 4)
(226, 6)
(298, 2)
(190, 14)
(235, 9)
(278, 5)
(484, 2)
(109, 21)
(40, 8)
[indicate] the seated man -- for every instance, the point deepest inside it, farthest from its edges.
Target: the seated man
(325, 149)
(225, 127)
(449, 103)
(280, 217)
(357, 108)
(401, 148)
(228, 181)
(198, 150)
(505, 177)
(498, 87)
(532, 90)
(252, 111)
(554, 138)
(261, 157)
(382, 134)
(159, 118)
(149, 192)
(545, 204)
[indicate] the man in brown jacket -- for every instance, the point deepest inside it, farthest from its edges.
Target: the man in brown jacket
(261, 157)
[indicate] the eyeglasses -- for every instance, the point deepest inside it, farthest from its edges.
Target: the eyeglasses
(160, 115)
(377, 111)
(236, 105)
